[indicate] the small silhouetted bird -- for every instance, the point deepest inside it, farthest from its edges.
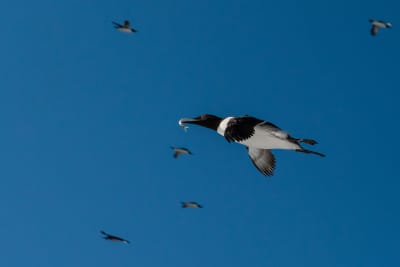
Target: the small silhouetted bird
(125, 27)
(191, 204)
(376, 24)
(114, 238)
(180, 150)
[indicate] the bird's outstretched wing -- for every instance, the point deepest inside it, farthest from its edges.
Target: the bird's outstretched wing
(263, 160)
(117, 25)
(374, 30)
(176, 153)
(242, 128)
(104, 233)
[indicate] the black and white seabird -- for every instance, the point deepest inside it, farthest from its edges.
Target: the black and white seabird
(180, 150)
(114, 238)
(376, 24)
(191, 204)
(257, 135)
(125, 27)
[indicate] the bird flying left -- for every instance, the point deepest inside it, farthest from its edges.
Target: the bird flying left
(126, 27)
(180, 151)
(114, 238)
(376, 24)
(259, 137)
(191, 204)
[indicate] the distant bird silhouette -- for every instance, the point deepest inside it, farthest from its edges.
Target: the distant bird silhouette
(376, 24)
(191, 204)
(125, 27)
(114, 238)
(257, 135)
(180, 150)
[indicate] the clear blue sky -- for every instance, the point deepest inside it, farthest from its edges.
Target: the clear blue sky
(88, 114)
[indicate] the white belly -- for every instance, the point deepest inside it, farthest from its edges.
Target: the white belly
(265, 140)
(125, 30)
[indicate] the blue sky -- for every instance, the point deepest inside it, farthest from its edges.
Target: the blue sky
(88, 114)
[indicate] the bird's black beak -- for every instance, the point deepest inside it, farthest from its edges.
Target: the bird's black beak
(205, 120)
(187, 120)
(190, 121)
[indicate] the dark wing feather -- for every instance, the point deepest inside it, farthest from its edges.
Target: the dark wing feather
(176, 154)
(116, 238)
(116, 24)
(240, 128)
(270, 126)
(263, 160)
(127, 23)
(374, 30)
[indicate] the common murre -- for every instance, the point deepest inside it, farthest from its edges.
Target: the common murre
(191, 204)
(376, 24)
(125, 27)
(180, 150)
(257, 135)
(114, 238)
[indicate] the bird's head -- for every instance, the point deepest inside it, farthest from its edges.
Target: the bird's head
(205, 120)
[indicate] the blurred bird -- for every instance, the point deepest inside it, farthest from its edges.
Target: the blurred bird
(257, 135)
(180, 150)
(114, 238)
(125, 27)
(376, 24)
(191, 204)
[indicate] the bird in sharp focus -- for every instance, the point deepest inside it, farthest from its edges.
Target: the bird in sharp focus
(126, 27)
(180, 151)
(257, 135)
(191, 204)
(376, 24)
(114, 238)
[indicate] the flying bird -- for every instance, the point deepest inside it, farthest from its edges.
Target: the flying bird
(114, 238)
(376, 24)
(191, 204)
(257, 135)
(125, 27)
(180, 150)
